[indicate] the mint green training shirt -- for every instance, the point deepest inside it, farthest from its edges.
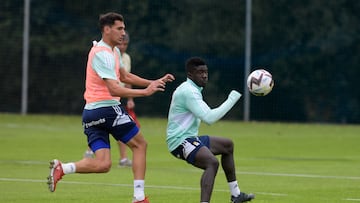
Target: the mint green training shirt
(103, 64)
(188, 109)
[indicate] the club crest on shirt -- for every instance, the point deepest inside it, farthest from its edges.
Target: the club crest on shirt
(196, 143)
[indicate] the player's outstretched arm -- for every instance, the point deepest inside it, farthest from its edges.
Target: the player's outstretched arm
(210, 116)
(132, 79)
(117, 90)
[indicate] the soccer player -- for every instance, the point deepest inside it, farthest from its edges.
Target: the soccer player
(103, 113)
(187, 110)
(124, 161)
(129, 103)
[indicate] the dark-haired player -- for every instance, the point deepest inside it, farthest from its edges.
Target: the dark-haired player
(187, 110)
(103, 114)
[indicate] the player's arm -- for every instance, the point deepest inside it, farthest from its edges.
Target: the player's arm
(133, 79)
(201, 110)
(104, 64)
(117, 90)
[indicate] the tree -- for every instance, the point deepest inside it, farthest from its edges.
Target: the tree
(311, 48)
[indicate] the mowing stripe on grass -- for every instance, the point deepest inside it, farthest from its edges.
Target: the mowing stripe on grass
(289, 175)
(242, 172)
(33, 162)
(128, 185)
(301, 175)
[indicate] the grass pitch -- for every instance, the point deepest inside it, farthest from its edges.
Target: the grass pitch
(278, 162)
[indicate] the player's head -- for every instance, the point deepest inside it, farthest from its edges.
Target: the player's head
(108, 19)
(197, 71)
(112, 27)
(124, 44)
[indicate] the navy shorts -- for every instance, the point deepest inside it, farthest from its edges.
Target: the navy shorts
(99, 123)
(188, 149)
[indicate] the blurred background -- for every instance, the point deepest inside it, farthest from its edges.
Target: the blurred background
(312, 49)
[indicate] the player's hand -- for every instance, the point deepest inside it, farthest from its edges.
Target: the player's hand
(234, 95)
(155, 86)
(168, 78)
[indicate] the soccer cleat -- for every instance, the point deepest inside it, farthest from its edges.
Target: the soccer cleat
(56, 173)
(243, 197)
(146, 200)
(125, 163)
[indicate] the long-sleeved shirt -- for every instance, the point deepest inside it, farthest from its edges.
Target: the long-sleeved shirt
(188, 109)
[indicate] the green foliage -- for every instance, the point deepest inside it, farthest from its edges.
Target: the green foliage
(311, 48)
(308, 47)
(278, 162)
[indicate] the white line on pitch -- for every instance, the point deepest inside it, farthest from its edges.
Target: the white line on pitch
(352, 199)
(242, 172)
(129, 185)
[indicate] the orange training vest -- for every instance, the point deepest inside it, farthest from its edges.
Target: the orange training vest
(95, 87)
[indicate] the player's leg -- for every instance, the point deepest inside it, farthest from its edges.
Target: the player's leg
(225, 147)
(97, 130)
(195, 151)
(124, 160)
(126, 131)
(98, 141)
(100, 164)
(138, 146)
(122, 150)
(204, 159)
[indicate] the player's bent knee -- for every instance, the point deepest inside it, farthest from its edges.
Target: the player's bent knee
(144, 144)
(138, 142)
(213, 163)
(229, 146)
(104, 167)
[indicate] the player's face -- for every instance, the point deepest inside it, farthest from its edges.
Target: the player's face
(199, 75)
(116, 32)
(123, 46)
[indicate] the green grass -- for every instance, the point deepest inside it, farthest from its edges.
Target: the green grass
(278, 162)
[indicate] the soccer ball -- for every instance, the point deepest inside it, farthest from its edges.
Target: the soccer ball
(260, 82)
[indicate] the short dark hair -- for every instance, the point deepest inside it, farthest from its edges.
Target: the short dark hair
(108, 19)
(193, 62)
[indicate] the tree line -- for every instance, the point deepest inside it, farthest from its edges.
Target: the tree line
(310, 47)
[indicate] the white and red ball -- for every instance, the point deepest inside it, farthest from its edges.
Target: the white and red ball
(260, 82)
